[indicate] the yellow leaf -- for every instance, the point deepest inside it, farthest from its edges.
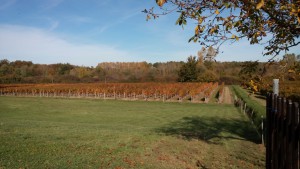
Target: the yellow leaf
(233, 37)
(237, 38)
(200, 20)
(212, 30)
(283, 7)
(260, 4)
(161, 2)
(197, 30)
(217, 12)
(255, 88)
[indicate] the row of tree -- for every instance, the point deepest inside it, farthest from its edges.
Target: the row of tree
(196, 69)
(28, 72)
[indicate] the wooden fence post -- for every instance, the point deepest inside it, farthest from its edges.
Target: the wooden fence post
(295, 136)
(269, 131)
(284, 128)
(288, 131)
(274, 133)
(279, 133)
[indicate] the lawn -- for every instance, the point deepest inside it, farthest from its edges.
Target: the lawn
(86, 133)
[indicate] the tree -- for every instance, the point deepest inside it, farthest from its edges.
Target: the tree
(207, 76)
(276, 24)
(188, 72)
(207, 54)
(64, 69)
(249, 70)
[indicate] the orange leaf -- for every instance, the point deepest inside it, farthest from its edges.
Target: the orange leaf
(161, 2)
(260, 4)
(197, 30)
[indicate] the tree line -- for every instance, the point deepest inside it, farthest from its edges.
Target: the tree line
(195, 69)
(28, 72)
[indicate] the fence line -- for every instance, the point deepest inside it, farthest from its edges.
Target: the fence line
(282, 134)
(252, 115)
(198, 98)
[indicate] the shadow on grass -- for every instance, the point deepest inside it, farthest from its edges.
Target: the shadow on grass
(212, 130)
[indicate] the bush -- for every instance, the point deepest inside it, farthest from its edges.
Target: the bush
(252, 106)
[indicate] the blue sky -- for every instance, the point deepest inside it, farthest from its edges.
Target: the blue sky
(87, 32)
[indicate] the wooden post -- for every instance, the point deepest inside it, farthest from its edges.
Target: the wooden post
(295, 136)
(288, 130)
(284, 128)
(273, 134)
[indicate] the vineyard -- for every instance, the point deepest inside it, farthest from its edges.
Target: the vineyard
(194, 92)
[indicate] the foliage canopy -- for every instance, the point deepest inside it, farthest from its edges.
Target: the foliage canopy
(275, 24)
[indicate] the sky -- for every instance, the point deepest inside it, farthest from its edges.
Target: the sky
(87, 32)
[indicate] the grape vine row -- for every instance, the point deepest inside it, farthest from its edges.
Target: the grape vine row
(195, 92)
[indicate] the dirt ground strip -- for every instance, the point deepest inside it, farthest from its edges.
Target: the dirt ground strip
(227, 96)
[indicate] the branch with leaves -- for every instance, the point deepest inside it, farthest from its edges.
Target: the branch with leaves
(274, 24)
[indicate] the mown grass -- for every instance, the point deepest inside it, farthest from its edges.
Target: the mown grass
(85, 133)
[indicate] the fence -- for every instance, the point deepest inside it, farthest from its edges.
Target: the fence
(282, 134)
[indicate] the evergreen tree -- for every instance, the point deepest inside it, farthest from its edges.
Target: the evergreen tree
(189, 72)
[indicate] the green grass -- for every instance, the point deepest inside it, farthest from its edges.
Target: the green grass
(85, 133)
(259, 110)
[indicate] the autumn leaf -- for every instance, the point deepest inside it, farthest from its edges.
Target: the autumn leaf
(233, 37)
(161, 2)
(200, 20)
(217, 12)
(260, 4)
(195, 40)
(292, 70)
(197, 30)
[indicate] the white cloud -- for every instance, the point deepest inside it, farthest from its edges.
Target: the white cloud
(40, 46)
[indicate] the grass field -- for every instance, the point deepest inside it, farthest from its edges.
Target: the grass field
(85, 133)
